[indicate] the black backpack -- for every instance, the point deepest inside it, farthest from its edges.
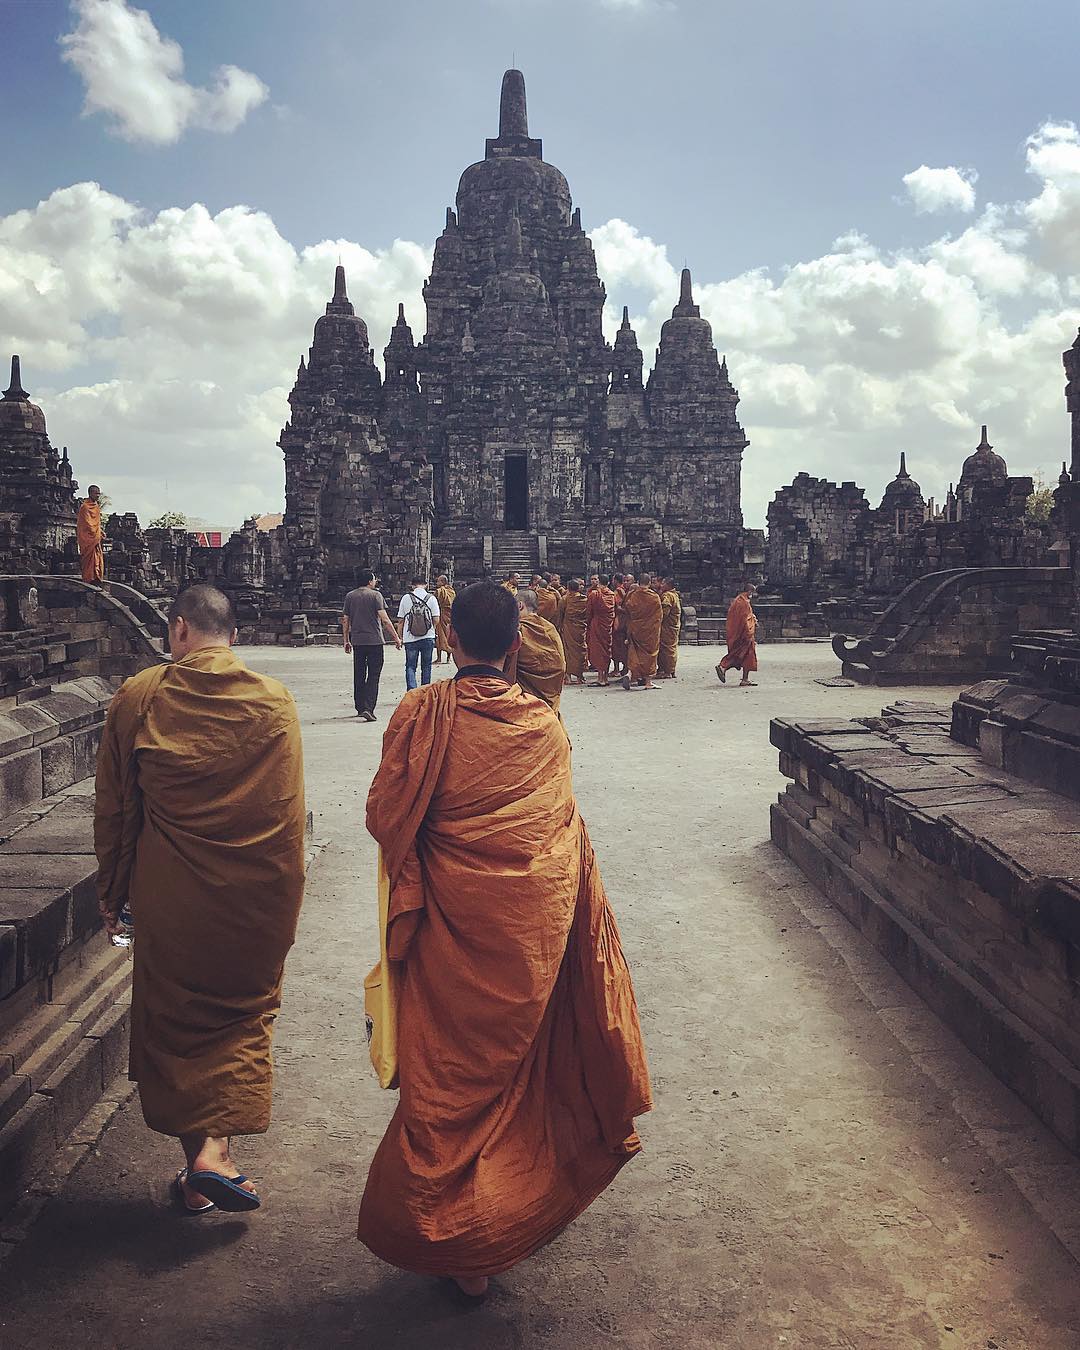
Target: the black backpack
(420, 624)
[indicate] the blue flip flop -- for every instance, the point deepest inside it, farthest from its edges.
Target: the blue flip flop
(226, 1192)
(180, 1199)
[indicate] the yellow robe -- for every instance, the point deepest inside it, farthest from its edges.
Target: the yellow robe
(199, 824)
(670, 626)
(519, 1049)
(445, 597)
(541, 662)
(641, 615)
(547, 604)
(573, 626)
(88, 536)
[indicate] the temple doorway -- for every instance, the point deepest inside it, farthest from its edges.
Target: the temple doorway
(517, 493)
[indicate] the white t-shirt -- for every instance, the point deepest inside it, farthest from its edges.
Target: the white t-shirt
(405, 609)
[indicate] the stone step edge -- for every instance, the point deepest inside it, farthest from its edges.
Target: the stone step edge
(981, 1021)
(38, 1140)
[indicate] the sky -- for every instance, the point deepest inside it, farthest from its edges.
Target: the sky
(880, 204)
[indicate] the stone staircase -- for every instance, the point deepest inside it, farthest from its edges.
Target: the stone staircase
(515, 551)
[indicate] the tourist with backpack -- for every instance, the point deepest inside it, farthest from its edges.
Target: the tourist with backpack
(417, 616)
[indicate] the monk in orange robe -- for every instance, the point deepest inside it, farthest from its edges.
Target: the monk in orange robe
(670, 627)
(89, 536)
(642, 614)
(520, 1058)
(547, 604)
(539, 664)
(601, 624)
(199, 823)
(512, 583)
(619, 585)
(444, 594)
(741, 638)
(573, 628)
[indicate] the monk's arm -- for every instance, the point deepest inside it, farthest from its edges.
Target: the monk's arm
(110, 809)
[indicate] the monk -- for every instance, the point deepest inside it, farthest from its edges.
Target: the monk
(573, 627)
(547, 604)
(670, 627)
(601, 614)
(89, 536)
(556, 584)
(444, 594)
(520, 1056)
(619, 586)
(741, 638)
(199, 830)
(512, 583)
(642, 613)
(539, 663)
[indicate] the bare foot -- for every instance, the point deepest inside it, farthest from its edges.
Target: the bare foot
(747, 684)
(475, 1287)
(722, 673)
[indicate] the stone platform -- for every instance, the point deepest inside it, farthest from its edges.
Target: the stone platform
(965, 877)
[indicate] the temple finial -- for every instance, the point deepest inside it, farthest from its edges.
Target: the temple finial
(401, 312)
(513, 113)
(339, 283)
(15, 392)
(686, 288)
(903, 465)
(626, 316)
(984, 444)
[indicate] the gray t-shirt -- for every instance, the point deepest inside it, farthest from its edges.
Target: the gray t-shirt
(362, 608)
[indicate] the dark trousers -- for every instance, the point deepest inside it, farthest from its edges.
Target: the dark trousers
(421, 651)
(367, 663)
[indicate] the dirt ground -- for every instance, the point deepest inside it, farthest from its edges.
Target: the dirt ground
(825, 1165)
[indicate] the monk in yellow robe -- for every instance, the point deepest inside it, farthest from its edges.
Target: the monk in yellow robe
(512, 583)
(547, 604)
(601, 626)
(199, 831)
(642, 614)
(539, 664)
(670, 627)
(741, 638)
(573, 628)
(89, 537)
(444, 594)
(520, 1056)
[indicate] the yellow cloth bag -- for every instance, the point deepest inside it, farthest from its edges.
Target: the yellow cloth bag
(381, 997)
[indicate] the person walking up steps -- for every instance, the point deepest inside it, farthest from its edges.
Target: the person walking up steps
(364, 621)
(418, 614)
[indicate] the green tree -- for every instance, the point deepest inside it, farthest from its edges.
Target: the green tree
(169, 520)
(1041, 502)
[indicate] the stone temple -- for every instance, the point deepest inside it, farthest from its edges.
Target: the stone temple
(513, 434)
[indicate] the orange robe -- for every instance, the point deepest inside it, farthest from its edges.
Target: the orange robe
(573, 626)
(741, 641)
(670, 627)
(88, 536)
(519, 1049)
(642, 614)
(547, 604)
(541, 662)
(601, 622)
(618, 631)
(445, 596)
(199, 824)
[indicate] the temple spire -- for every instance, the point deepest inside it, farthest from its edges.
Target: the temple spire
(339, 283)
(903, 465)
(15, 393)
(513, 113)
(984, 444)
(686, 309)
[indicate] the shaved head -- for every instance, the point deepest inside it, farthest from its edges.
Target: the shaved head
(205, 609)
(527, 601)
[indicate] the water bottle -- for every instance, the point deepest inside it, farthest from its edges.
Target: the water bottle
(125, 933)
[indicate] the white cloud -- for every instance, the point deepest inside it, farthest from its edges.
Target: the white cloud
(136, 77)
(163, 346)
(941, 189)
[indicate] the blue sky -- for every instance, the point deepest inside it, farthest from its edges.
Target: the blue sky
(742, 139)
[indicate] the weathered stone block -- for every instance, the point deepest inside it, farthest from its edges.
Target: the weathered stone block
(57, 765)
(20, 781)
(27, 1142)
(76, 1085)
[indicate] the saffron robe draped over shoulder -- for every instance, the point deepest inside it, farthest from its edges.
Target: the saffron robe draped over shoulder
(601, 624)
(445, 595)
(670, 627)
(519, 1049)
(573, 625)
(541, 662)
(199, 825)
(547, 604)
(618, 630)
(741, 635)
(88, 537)
(642, 615)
